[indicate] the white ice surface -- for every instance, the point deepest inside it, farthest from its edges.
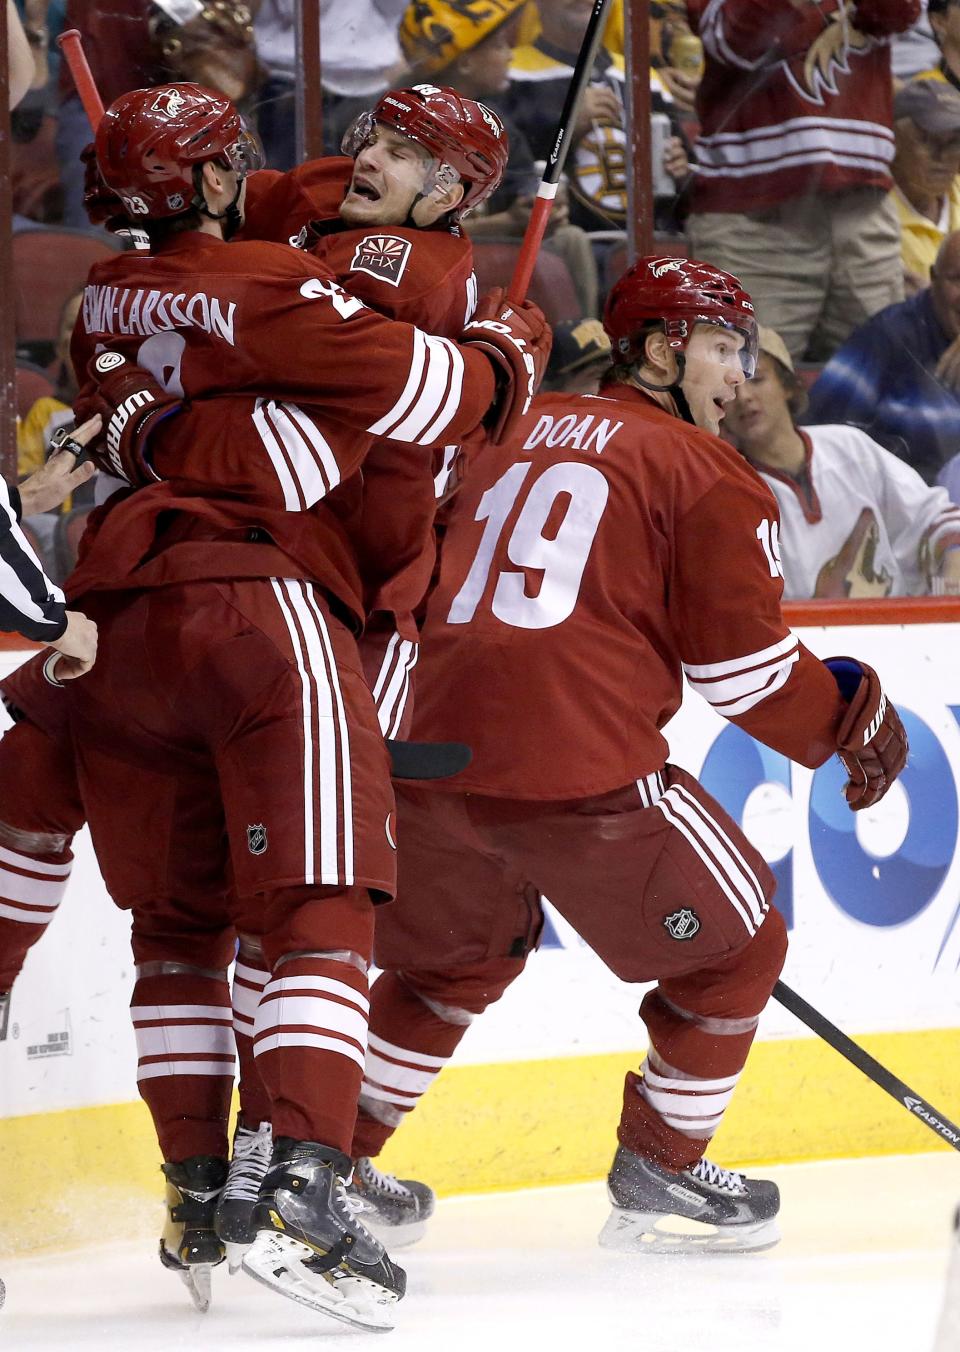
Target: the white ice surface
(861, 1266)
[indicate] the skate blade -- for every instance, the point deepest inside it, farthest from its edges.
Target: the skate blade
(652, 1232)
(198, 1281)
(278, 1262)
(397, 1236)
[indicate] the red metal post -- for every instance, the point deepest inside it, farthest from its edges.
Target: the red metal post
(639, 184)
(8, 378)
(309, 88)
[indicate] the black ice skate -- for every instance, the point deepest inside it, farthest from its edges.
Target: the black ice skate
(395, 1209)
(189, 1244)
(234, 1216)
(312, 1247)
(702, 1209)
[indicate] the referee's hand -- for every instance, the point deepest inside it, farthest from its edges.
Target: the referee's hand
(76, 649)
(47, 487)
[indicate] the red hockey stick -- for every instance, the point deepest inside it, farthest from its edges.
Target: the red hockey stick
(71, 44)
(547, 191)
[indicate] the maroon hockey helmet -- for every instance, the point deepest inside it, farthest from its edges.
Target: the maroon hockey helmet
(677, 293)
(457, 132)
(150, 140)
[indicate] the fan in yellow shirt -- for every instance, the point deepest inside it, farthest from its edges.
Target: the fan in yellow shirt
(925, 171)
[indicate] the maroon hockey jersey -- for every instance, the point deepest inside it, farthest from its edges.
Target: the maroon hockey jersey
(606, 551)
(290, 377)
(795, 99)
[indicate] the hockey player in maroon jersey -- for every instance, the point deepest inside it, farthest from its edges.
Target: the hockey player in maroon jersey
(614, 545)
(425, 276)
(264, 321)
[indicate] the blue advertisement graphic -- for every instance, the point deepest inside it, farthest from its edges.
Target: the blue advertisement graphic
(892, 890)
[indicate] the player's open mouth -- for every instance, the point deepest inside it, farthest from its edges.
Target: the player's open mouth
(360, 187)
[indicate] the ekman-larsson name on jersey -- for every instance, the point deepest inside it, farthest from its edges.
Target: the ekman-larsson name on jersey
(118, 309)
(573, 431)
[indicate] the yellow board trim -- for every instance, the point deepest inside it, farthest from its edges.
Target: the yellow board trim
(92, 1174)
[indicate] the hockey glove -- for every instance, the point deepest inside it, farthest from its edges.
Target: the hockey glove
(878, 18)
(517, 339)
(102, 205)
(132, 403)
(871, 741)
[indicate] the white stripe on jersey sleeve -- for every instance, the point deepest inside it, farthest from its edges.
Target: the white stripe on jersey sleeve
(735, 686)
(429, 414)
(318, 443)
(401, 408)
(292, 500)
(431, 395)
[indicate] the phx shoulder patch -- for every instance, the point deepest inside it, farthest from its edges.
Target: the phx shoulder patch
(382, 256)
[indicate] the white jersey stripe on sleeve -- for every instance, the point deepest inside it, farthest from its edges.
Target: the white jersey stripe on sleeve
(437, 428)
(293, 499)
(309, 476)
(711, 670)
(730, 709)
(429, 413)
(321, 448)
(383, 426)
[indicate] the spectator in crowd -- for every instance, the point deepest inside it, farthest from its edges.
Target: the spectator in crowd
(898, 375)
(30, 604)
(21, 64)
(925, 169)
(361, 58)
(471, 52)
(914, 51)
(132, 44)
(945, 22)
(797, 124)
(51, 411)
(540, 78)
(579, 358)
(46, 416)
(854, 520)
(676, 54)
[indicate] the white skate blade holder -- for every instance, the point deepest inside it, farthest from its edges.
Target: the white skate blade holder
(655, 1233)
(198, 1280)
(278, 1261)
(235, 1255)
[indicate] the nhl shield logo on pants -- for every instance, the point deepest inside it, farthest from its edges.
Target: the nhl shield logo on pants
(257, 838)
(683, 924)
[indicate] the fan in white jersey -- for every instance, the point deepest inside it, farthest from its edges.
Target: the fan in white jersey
(855, 521)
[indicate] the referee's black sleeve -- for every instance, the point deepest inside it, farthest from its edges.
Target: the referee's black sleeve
(30, 604)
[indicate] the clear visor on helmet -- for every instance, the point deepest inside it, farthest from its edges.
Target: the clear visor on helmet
(362, 131)
(245, 155)
(746, 328)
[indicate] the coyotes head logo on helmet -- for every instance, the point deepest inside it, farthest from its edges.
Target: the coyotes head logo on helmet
(466, 141)
(152, 143)
(677, 294)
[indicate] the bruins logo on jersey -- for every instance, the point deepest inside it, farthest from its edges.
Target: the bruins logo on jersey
(382, 256)
(598, 177)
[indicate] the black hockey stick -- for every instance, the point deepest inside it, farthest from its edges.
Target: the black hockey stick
(855, 1054)
(547, 191)
(427, 760)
